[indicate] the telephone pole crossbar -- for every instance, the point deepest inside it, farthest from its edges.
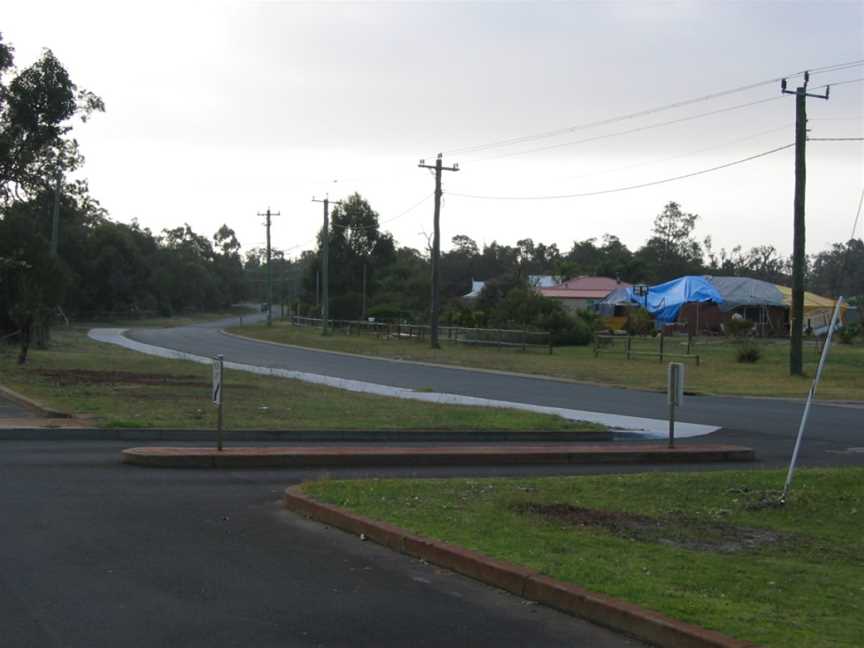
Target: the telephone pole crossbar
(796, 322)
(267, 216)
(436, 248)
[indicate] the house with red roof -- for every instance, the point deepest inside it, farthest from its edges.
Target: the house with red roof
(581, 293)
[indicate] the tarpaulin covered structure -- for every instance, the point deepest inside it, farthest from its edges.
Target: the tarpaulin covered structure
(706, 303)
(663, 301)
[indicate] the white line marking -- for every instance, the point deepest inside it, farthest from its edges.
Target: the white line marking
(646, 426)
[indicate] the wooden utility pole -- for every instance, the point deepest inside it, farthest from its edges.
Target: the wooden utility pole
(799, 254)
(55, 217)
(268, 214)
(436, 248)
(325, 264)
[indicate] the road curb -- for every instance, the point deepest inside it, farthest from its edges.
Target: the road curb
(476, 455)
(603, 610)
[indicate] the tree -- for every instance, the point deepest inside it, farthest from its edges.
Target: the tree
(671, 251)
(36, 106)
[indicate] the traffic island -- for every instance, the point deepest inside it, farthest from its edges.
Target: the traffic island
(474, 455)
(636, 621)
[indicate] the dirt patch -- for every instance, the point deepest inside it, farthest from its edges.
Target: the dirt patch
(676, 530)
(91, 377)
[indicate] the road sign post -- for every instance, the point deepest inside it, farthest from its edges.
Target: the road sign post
(674, 395)
(217, 397)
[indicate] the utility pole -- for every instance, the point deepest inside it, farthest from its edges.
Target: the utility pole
(799, 258)
(55, 219)
(325, 253)
(436, 247)
(268, 214)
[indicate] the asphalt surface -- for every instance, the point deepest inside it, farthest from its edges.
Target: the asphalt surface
(835, 433)
(12, 410)
(95, 553)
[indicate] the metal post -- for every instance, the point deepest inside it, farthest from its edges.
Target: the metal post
(672, 425)
(810, 397)
(218, 386)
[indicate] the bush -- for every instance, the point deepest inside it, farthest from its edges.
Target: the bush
(638, 322)
(739, 328)
(848, 333)
(575, 333)
(748, 351)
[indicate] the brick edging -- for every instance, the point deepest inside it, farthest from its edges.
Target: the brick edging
(603, 610)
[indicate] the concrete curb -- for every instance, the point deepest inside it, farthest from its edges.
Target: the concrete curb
(26, 401)
(353, 456)
(618, 615)
(858, 404)
(40, 433)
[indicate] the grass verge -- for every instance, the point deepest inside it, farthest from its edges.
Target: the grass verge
(719, 373)
(117, 387)
(700, 547)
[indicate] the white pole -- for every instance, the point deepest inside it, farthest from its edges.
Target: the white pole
(810, 396)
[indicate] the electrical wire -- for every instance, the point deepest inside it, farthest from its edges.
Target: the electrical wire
(629, 131)
(649, 111)
(858, 215)
(389, 220)
(630, 187)
(683, 155)
(835, 139)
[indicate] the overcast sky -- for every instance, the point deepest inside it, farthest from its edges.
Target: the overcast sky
(216, 111)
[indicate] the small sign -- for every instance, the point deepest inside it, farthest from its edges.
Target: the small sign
(216, 392)
(640, 289)
(675, 387)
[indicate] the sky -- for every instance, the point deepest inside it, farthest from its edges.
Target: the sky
(217, 111)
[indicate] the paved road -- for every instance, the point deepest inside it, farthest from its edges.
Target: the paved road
(95, 553)
(766, 424)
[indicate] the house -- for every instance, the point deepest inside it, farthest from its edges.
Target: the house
(581, 293)
(703, 304)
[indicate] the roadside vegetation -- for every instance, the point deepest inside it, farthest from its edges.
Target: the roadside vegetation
(719, 371)
(116, 387)
(708, 548)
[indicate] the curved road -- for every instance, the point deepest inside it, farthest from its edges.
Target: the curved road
(835, 433)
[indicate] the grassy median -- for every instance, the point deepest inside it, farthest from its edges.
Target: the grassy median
(116, 387)
(719, 372)
(710, 548)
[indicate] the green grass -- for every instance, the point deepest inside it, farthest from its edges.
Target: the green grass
(803, 588)
(719, 373)
(117, 387)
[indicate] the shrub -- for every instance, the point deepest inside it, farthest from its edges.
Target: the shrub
(575, 333)
(848, 333)
(748, 351)
(739, 328)
(638, 322)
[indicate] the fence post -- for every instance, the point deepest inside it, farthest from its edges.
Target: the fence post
(629, 344)
(524, 338)
(596, 346)
(661, 345)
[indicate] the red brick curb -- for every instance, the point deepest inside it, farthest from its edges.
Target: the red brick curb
(456, 455)
(618, 615)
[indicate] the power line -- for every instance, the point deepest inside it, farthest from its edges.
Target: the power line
(858, 215)
(630, 187)
(629, 131)
(835, 139)
(649, 111)
(683, 155)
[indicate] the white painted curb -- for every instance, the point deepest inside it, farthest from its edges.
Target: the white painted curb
(647, 426)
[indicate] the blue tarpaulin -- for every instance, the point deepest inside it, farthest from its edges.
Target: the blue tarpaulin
(666, 299)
